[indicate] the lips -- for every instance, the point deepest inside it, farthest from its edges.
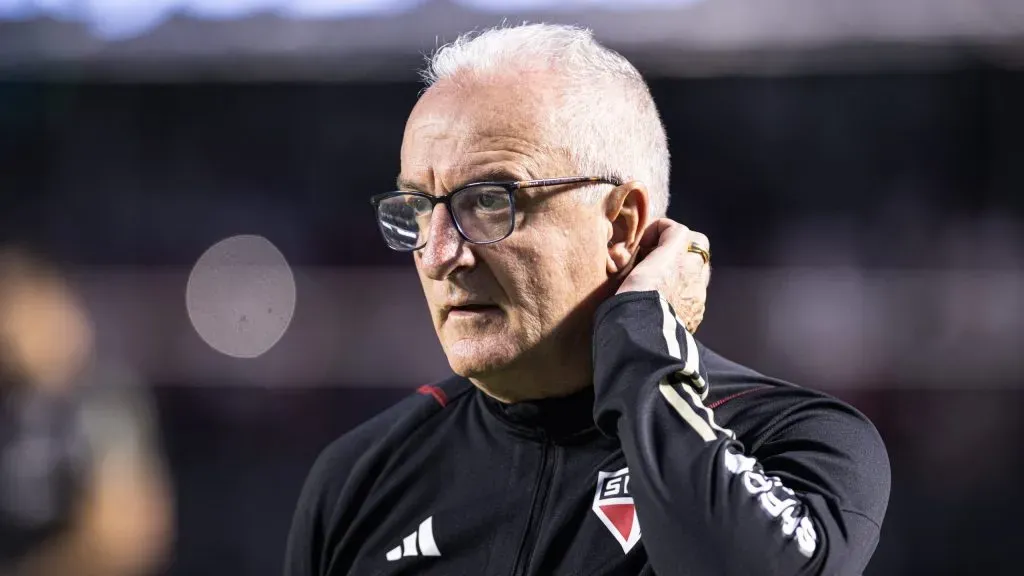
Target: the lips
(473, 307)
(470, 308)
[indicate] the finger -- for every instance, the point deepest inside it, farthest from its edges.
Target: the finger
(660, 229)
(696, 263)
(673, 240)
(700, 240)
(658, 233)
(698, 251)
(672, 232)
(649, 239)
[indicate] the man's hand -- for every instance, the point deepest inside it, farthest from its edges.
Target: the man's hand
(666, 264)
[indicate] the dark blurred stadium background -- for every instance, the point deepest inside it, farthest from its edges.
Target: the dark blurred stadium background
(859, 167)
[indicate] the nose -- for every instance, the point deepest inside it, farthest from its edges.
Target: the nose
(446, 250)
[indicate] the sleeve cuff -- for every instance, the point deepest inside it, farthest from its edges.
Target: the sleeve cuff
(649, 311)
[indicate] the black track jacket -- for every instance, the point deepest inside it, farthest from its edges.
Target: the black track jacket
(678, 461)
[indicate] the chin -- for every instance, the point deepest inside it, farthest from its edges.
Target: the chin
(478, 357)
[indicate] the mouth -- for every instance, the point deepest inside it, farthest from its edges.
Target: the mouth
(472, 310)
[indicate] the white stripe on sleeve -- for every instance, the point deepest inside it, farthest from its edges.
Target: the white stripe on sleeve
(670, 324)
(687, 413)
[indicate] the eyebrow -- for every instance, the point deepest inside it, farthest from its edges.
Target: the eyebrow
(493, 174)
(404, 183)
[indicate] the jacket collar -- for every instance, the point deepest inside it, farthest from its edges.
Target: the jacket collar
(551, 419)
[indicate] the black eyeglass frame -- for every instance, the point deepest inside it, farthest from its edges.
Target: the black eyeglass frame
(510, 186)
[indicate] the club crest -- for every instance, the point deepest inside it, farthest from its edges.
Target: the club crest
(613, 504)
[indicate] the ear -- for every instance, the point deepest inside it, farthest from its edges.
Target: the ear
(626, 210)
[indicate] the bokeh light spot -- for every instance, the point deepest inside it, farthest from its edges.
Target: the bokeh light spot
(241, 296)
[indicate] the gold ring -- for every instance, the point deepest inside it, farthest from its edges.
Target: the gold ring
(698, 249)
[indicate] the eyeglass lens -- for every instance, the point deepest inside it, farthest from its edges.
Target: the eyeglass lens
(484, 214)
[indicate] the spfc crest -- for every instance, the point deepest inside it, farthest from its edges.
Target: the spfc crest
(613, 504)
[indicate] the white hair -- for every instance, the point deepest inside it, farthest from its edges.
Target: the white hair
(608, 122)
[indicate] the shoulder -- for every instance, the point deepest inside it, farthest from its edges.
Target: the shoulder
(328, 498)
(752, 400)
(800, 432)
(385, 430)
(373, 440)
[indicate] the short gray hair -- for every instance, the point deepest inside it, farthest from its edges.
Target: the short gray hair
(611, 124)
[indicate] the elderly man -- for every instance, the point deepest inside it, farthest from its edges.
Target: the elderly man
(585, 431)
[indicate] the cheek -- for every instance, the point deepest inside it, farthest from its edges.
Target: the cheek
(548, 282)
(434, 296)
(425, 283)
(521, 280)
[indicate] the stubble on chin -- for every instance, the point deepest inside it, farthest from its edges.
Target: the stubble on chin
(475, 354)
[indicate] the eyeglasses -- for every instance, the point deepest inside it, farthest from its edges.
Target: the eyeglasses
(483, 212)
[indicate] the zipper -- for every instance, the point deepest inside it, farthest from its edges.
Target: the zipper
(540, 498)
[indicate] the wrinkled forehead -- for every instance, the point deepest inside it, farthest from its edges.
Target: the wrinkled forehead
(457, 131)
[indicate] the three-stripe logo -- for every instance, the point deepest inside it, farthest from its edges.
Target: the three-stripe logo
(419, 543)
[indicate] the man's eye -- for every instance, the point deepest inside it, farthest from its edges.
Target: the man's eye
(418, 205)
(491, 201)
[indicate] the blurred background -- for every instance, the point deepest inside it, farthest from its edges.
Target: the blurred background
(858, 166)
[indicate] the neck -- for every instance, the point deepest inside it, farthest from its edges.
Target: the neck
(557, 377)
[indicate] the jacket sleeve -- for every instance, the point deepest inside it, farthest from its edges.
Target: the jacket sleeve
(809, 500)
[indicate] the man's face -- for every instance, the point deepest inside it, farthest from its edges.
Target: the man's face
(518, 303)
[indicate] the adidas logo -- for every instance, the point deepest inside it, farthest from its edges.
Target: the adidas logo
(419, 543)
